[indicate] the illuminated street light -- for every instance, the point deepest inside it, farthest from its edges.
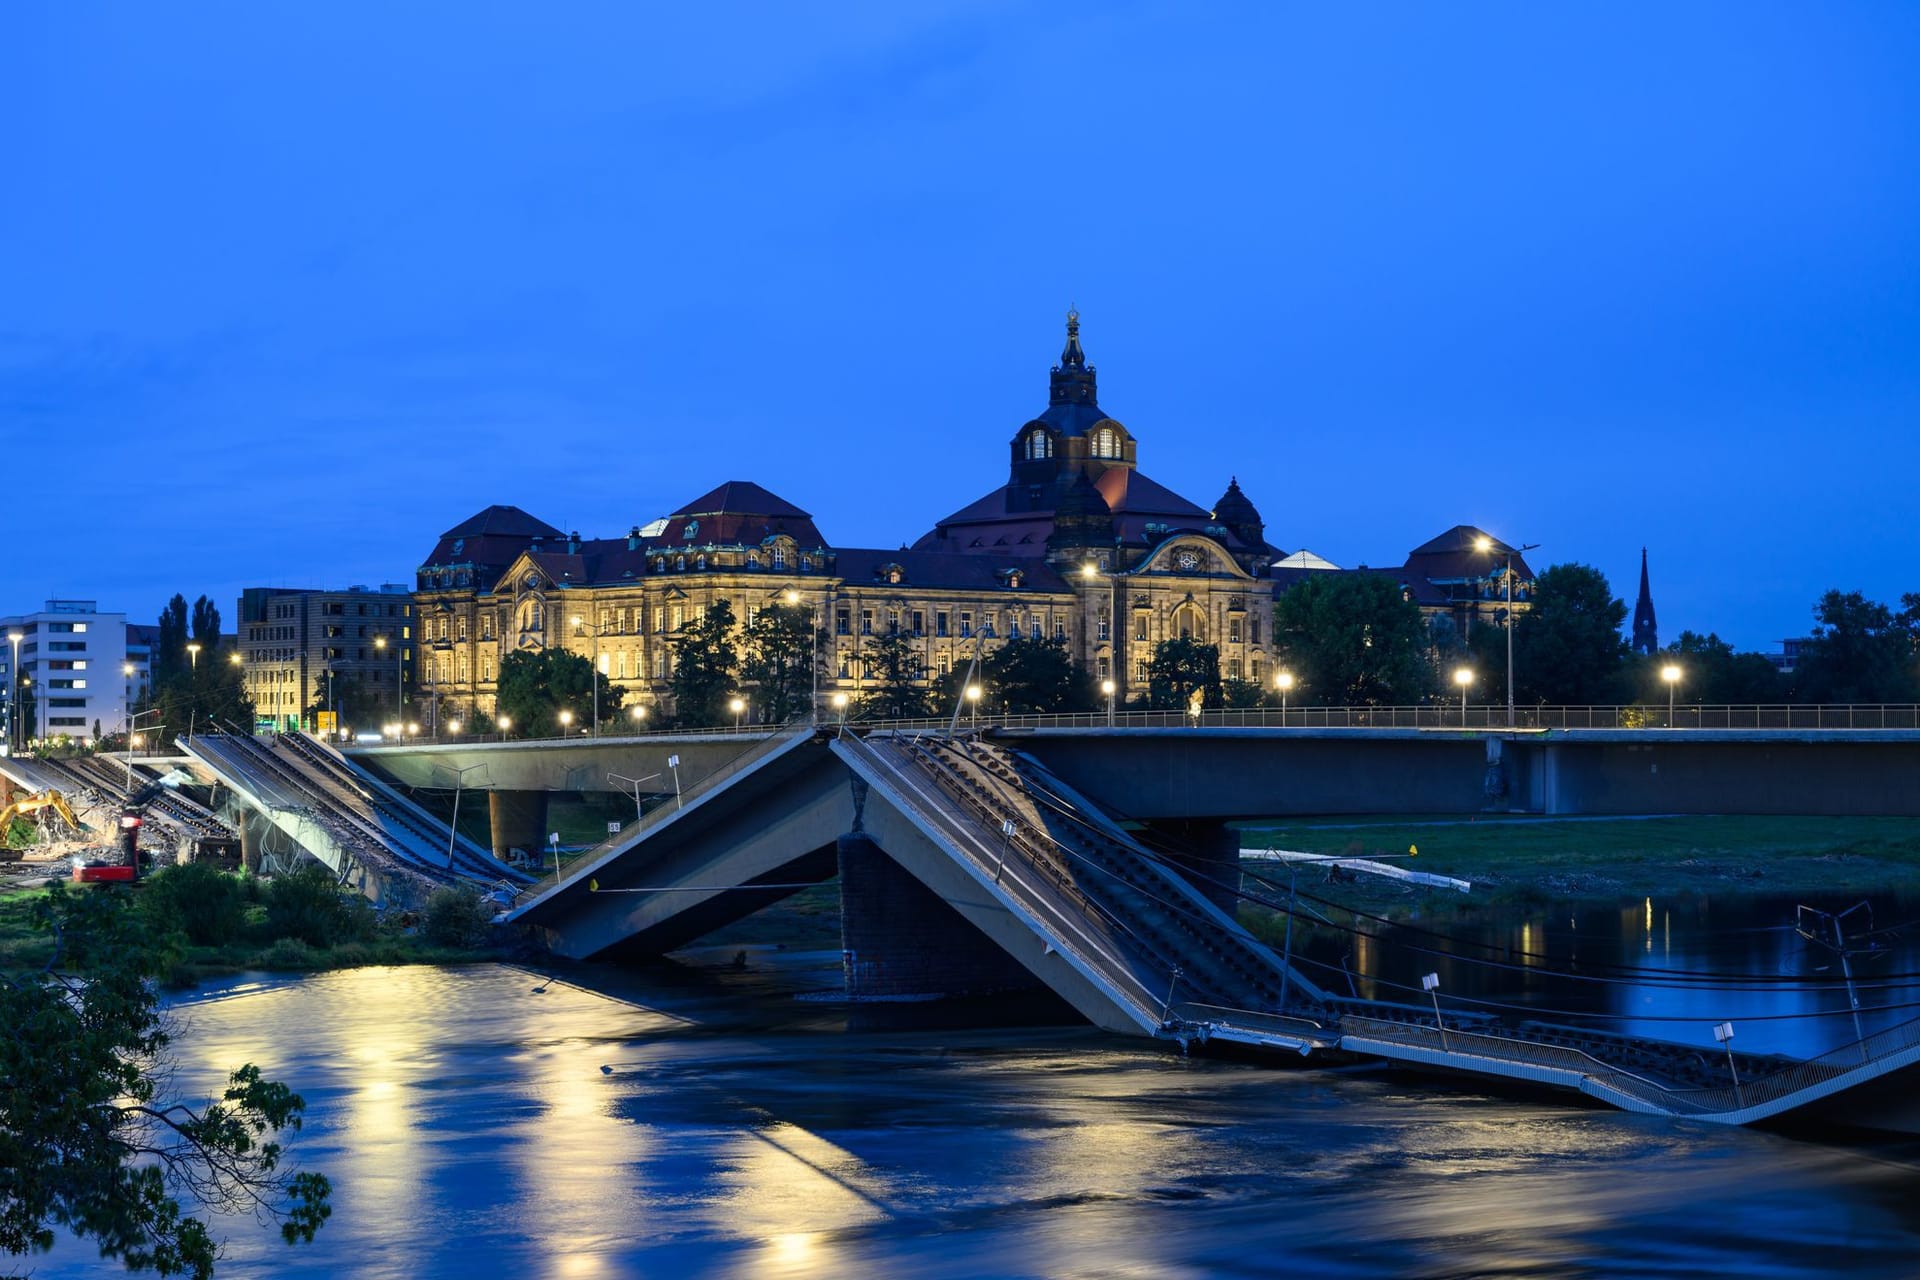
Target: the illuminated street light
(640, 716)
(505, 723)
(566, 721)
(578, 626)
(840, 702)
(1108, 687)
(1671, 674)
(453, 728)
(973, 705)
(1484, 544)
(1283, 680)
(1463, 677)
(738, 706)
(193, 654)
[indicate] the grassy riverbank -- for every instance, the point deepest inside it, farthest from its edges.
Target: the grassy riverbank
(1528, 860)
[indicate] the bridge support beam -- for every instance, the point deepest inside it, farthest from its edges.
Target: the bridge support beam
(899, 938)
(1207, 851)
(518, 820)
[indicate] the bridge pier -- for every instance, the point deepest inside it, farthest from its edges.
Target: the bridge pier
(518, 820)
(899, 939)
(1207, 852)
(250, 829)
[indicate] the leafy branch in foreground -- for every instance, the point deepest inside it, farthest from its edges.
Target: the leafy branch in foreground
(87, 1142)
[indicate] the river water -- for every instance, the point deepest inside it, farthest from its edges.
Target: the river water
(708, 1120)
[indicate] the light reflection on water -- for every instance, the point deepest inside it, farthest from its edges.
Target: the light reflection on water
(471, 1132)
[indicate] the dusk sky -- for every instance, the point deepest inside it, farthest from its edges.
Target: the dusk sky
(287, 291)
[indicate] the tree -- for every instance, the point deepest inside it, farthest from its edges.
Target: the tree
(899, 673)
(87, 1141)
(778, 656)
(1860, 651)
(1032, 676)
(1353, 639)
(192, 690)
(704, 663)
(1710, 672)
(1567, 647)
(1180, 669)
(536, 685)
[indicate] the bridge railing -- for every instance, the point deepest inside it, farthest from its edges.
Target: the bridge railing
(765, 745)
(1491, 716)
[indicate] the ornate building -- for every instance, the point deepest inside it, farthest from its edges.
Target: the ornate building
(1078, 544)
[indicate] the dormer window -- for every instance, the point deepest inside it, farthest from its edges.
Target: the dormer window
(1106, 443)
(680, 564)
(1039, 445)
(700, 564)
(753, 559)
(693, 527)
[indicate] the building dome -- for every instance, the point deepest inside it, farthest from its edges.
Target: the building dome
(1237, 513)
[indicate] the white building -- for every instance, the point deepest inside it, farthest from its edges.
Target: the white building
(69, 675)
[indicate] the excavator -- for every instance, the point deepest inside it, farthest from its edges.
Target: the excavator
(38, 802)
(133, 815)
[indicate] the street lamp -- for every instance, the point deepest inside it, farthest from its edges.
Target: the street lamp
(840, 702)
(1109, 688)
(566, 722)
(640, 717)
(1671, 674)
(505, 723)
(399, 678)
(580, 625)
(193, 655)
(1463, 677)
(1484, 545)
(453, 728)
(973, 705)
(13, 684)
(1283, 680)
(738, 706)
(193, 701)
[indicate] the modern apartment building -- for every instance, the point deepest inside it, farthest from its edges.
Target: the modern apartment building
(64, 672)
(291, 639)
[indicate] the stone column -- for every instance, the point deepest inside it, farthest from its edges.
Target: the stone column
(519, 821)
(899, 939)
(250, 829)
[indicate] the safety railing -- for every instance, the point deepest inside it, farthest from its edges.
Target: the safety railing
(1492, 716)
(692, 789)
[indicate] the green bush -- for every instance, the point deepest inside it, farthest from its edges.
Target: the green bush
(308, 904)
(457, 917)
(288, 953)
(200, 901)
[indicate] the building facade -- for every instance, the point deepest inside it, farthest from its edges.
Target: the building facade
(1076, 544)
(69, 680)
(296, 646)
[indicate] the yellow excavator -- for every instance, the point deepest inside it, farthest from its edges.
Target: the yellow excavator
(32, 804)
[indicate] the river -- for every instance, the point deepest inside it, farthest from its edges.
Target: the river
(707, 1120)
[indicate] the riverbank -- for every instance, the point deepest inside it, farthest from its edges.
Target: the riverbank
(1515, 860)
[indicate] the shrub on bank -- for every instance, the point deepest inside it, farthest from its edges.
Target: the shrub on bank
(309, 905)
(198, 900)
(457, 917)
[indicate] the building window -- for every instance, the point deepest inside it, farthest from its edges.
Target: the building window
(1106, 443)
(940, 623)
(966, 625)
(866, 622)
(1233, 668)
(659, 665)
(1103, 629)
(1038, 444)
(1253, 629)
(677, 617)
(893, 622)
(1233, 629)
(486, 666)
(919, 623)
(779, 557)
(753, 559)
(1139, 626)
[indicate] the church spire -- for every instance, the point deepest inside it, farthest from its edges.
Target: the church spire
(1073, 380)
(1646, 635)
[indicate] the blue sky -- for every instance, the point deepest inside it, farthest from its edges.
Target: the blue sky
(284, 292)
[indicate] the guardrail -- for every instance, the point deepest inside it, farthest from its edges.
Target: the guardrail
(1493, 716)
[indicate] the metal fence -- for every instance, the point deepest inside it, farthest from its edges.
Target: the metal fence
(1775, 717)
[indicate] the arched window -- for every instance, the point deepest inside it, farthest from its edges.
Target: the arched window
(679, 562)
(700, 563)
(1106, 443)
(1039, 444)
(779, 556)
(753, 559)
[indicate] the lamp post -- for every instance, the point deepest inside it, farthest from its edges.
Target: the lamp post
(840, 701)
(1109, 688)
(399, 677)
(578, 626)
(453, 728)
(738, 706)
(453, 827)
(1463, 677)
(1671, 674)
(973, 706)
(193, 680)
(639, 717)
(566, 722)
(1486, 544)
(1284, 681)
(505, 723)
(13, 685)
